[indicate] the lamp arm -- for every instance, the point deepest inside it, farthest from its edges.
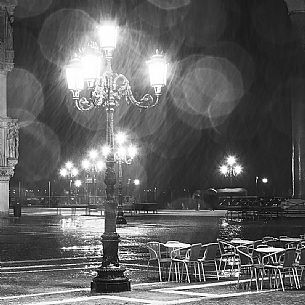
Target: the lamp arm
(122, 89)
(84, 104)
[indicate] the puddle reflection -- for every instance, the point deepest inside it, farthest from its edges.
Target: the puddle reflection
(44, 237)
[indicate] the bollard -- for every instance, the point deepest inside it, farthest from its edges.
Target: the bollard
(17, 210)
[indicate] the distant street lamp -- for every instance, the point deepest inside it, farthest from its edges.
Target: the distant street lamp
(69, 171)
(263, 180)
(124, 153)
(93, 165)
(108, 89)
(231, 168)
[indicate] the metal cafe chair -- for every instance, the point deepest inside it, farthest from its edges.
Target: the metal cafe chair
(186, 261)
(247, 267)
(285, 265)
(300, 264)
(155, 255)
(209, 258)
(228, 255)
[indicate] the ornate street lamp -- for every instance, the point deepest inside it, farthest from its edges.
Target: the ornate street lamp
(231, 168)
(108, 89)
(69, 171)
(124, 153)
(93, 165)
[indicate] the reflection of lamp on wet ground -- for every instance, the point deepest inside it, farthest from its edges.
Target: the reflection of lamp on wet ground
(77, 184)
(136, 183)
(124, 153)
(93, 89)
(93, 165)
(231, 168)
(69, 171)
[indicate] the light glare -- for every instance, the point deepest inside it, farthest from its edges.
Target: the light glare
(91, 65)
(121, 138)
(231, 160)
(75, 75)
(108, 35)
(157, 67)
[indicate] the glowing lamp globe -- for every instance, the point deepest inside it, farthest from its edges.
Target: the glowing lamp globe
(85, 164)
(100, 165)
(74, 75)
(108, 35)
(157, 67)
(132, 151)
(91, 68)
(224, 169)
(63, 172)
(238, 169)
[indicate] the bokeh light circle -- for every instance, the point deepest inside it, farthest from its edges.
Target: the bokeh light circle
(40, 148)
(207, 87)
(63, 33)
(24, 95)
(30, 8)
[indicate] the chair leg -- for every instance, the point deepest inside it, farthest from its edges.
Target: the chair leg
(216, 268)
(281, 279)
(196, 264)
(177, 272)
(160, 272)
(147, 267)
(170, 271)
(187, 272)
(296, 279)
(203, 273)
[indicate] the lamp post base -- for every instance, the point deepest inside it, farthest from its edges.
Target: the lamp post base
(110, 279)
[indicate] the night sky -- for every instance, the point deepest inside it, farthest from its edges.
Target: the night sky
(231, 63)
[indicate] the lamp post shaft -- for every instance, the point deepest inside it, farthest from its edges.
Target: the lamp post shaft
(120, 219)
(110, 276)
(70, 186)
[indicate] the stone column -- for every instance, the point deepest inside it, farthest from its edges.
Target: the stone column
(296, 10)
(9, 137)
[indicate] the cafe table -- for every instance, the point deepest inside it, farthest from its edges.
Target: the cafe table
(173, 245)
(268, 251)
(241, 242)
(290, 239)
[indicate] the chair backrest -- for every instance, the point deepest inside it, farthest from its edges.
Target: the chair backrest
(245, 257)
(267, 238)
(224, 247)
(289, 257)
(255, 244)
(211, 252)
(274, 243)
(194, 252)
(302, 257)
(262, 246)
(154, 249)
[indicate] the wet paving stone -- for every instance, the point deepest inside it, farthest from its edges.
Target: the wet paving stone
(50, 258)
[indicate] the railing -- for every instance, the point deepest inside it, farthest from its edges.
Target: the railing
(252, 207)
